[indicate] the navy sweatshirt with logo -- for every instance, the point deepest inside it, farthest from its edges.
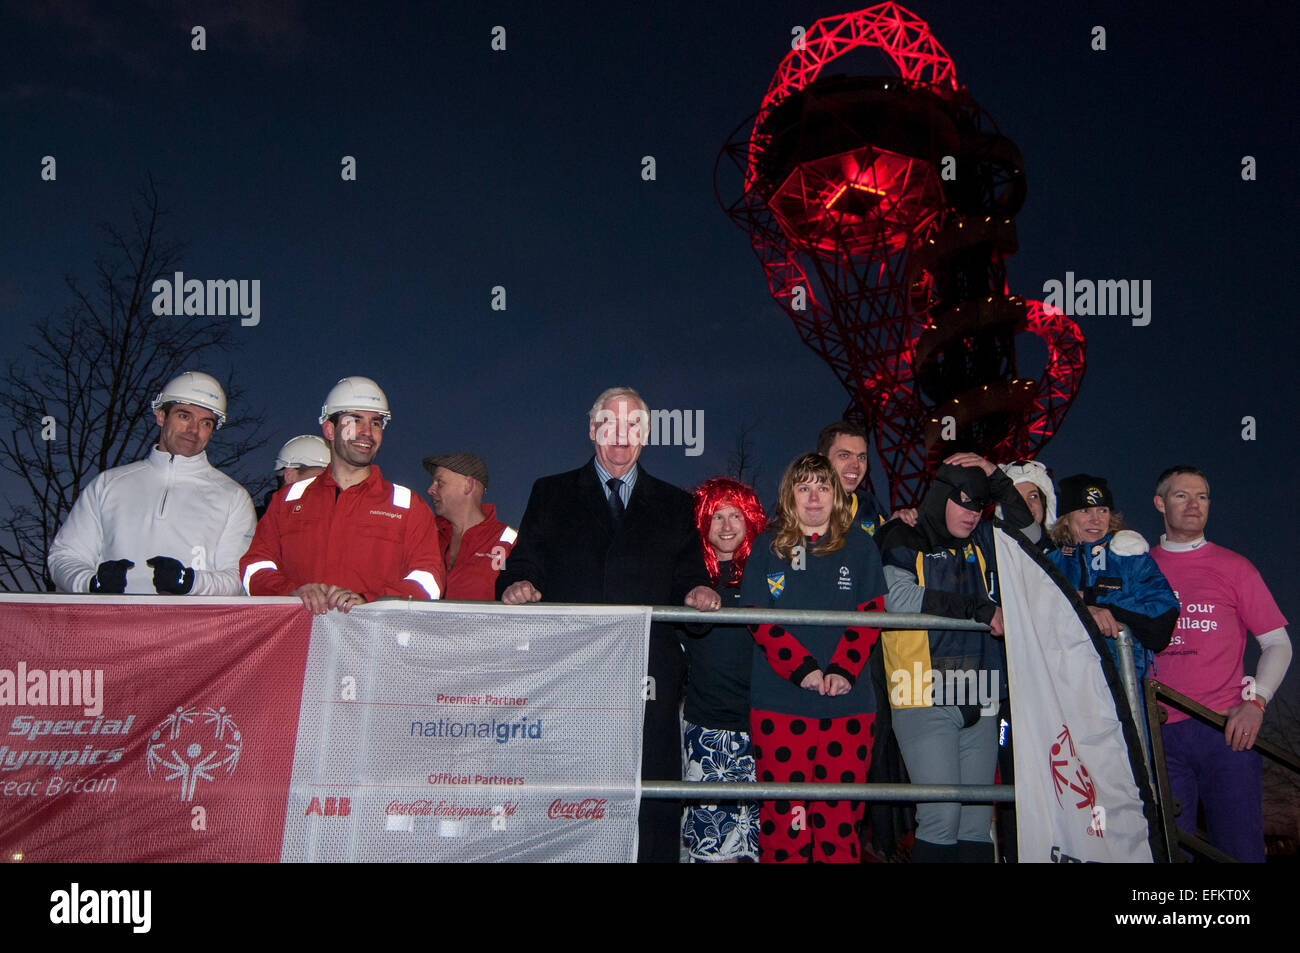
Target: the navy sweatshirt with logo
(848, 579)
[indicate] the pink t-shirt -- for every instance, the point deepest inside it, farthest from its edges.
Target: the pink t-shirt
(1222, 597)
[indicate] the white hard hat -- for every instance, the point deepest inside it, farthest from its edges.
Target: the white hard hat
(355, 393)
(197, 388)
(307, 450)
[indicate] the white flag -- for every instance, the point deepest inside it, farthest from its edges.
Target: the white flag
(1081, 789)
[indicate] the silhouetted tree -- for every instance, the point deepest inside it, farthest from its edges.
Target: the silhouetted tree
(742, 462)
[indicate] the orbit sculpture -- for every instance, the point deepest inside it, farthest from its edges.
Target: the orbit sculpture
(882, 209)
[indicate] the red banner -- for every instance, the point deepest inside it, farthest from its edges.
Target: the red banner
(164, 731)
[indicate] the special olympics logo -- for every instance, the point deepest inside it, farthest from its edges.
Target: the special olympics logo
(588, 809)
(1069, 772)
(192, 745)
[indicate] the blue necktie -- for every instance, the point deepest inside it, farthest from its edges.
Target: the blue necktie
(616, 508)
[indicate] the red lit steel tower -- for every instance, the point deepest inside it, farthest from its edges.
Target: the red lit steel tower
(882, 210)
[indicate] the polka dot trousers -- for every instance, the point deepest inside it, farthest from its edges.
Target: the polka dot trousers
(797, 748)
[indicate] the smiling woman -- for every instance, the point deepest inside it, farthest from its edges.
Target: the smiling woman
(1110, 568)
(1108, 564)
(1087, 511)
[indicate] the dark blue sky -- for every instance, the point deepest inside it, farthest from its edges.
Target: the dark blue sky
(522, 169)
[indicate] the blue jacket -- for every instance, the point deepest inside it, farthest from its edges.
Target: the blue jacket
(1132, 587)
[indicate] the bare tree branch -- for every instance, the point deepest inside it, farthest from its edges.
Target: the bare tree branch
(742, 462)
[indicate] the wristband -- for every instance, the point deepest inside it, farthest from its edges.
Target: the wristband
(1256, 703)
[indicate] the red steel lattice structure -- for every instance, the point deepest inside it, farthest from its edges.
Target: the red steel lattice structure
(882, 210)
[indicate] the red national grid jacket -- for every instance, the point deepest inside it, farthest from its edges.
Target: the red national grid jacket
(372, 538)
(482, 554)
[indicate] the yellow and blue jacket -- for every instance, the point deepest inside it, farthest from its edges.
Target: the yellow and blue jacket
(925, 667)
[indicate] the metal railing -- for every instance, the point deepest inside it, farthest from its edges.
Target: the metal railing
(1142, 698)
(818, 791)
(815, 791)
(1137, 707)
(881, 620)
(1175, 837)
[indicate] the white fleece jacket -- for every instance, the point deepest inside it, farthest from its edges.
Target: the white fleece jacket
(164, 505)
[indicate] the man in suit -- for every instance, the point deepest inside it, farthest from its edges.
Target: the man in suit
(611, 533)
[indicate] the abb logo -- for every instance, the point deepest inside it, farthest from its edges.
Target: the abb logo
(334, 807)
(588, 809)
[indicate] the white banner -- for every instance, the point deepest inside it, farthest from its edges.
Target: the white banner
(431, 732)
(1079, 772)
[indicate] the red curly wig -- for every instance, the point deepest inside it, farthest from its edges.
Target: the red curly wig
(712, 495)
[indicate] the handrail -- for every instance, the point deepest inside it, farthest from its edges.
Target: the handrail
(882, 620)
(815, 791)
(806, 790)
(676, 614)
(1175, 836)
(1209, 716)
(1128, 676)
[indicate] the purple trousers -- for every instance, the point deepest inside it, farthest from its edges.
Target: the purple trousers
(1228, 784)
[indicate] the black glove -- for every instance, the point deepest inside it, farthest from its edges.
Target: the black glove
(171, 576)
(110, 577)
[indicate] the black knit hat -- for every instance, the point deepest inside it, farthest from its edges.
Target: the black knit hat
(1081, 491)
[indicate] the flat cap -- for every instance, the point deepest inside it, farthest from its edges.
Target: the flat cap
(466, 464)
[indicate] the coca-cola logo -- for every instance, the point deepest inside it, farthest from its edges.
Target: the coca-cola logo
(588, 809)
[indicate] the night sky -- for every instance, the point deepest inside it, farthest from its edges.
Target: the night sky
(522, 168)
